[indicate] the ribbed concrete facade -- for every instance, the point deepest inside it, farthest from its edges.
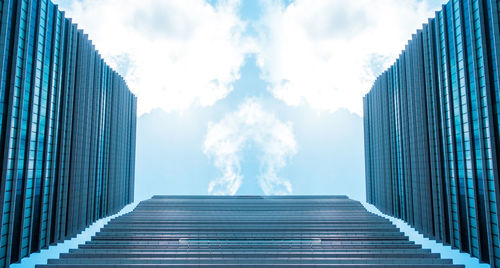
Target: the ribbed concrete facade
(249, 231)
(67, 130)
(432, 136)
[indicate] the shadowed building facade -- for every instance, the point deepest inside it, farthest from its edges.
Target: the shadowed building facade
(249, 231)
(67, 130)
(432, 130)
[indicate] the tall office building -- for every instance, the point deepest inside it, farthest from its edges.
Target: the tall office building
(67, 130)
(432, 130)
(249, 231)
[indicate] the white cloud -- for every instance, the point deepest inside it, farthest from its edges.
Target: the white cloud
(328, 53)
(173, 54)
(226, 140)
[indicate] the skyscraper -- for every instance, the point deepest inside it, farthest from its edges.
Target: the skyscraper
(249, 231)
(432, 130)
(67, 130)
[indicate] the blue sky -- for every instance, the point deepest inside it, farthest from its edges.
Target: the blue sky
(326, 158)
(327, 161)
(250, 97)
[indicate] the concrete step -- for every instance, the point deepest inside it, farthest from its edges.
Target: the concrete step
(259, 255)
(251, 265)
(250, 261)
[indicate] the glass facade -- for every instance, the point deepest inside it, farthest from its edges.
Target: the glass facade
(249, 231)
(432, 130)
(67, 130)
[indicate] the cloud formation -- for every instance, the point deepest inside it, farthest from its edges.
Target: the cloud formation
(173, 54)
(328, 53)
(251, 123)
